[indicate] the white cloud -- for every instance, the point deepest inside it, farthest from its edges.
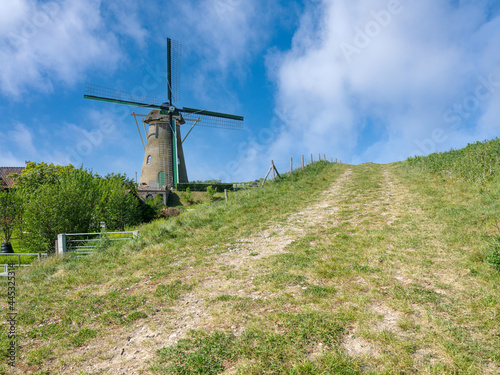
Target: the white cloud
(51, 42)
(408, 64)
(223, 37)
(7, 159)
(20, 144)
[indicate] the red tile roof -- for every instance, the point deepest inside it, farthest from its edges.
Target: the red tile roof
(5, 181)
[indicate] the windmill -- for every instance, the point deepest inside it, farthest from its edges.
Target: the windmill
(164, 163)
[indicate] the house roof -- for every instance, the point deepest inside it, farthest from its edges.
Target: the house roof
(5, 181)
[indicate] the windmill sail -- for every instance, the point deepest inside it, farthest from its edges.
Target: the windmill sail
(174, 50)
(100, 93)
(164, 163)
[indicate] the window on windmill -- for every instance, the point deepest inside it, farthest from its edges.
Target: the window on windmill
(149, 160)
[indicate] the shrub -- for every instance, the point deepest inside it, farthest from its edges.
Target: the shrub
(187, 196)
(211, 192)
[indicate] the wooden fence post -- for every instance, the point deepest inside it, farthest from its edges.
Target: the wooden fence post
(267, 174)
(274, 169)
(225, 194)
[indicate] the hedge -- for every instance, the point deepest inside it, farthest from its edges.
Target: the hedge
(182, 186)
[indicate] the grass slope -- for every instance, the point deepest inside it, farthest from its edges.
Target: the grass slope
(337, 269)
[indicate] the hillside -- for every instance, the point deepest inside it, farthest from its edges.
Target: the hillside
(335, 269)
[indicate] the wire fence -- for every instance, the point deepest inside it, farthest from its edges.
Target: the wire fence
(296, 163)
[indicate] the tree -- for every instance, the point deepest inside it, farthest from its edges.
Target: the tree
(66, 205)
(36, 175)
(11, 208)
(118, 205)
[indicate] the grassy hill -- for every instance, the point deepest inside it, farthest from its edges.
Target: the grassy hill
(336, 269)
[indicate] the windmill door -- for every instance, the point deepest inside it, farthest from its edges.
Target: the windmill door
(162, 179)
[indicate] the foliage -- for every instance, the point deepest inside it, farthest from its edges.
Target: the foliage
(211, 192)
(118, 206)
(127, 182)
(477, 162)
(10, 213)
(36, 175)
(65, 206)
(186, 195)
(63, 199)
(203, 186)
(151, 208)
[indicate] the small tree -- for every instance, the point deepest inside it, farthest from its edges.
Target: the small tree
(118, 206)
(11, 208)
(211, 192)
(64, 206)
(187, 195)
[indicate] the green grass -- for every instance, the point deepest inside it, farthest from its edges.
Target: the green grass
(477, 162)
(392, 276)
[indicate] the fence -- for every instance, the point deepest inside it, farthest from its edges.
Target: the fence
(82, 244)
(300, 165)
(19, 265)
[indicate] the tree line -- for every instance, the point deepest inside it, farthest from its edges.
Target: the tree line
(49, 199)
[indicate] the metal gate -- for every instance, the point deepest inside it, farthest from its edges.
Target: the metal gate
(82, 244)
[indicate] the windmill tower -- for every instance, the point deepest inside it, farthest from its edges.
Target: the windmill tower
(164, 164)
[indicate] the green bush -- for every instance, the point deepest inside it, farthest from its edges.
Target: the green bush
(187, 196)
(211, 192)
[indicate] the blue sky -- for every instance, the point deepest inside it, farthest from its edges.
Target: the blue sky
(355, 80)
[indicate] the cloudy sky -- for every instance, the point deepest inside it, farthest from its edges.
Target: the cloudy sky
(358, 80)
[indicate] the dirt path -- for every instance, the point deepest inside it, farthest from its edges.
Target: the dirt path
(132, 352)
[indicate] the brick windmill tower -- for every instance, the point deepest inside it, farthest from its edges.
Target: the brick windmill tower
(164, 164)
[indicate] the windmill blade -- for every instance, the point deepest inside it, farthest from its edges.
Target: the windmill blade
(174, 49)
(213, 119)
(104, 94)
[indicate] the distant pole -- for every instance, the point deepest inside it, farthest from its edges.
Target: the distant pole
(136, 178)
(336, 160)
(319, 157)
(311, 158)
(291, 165)
(331, 159)
(324, 157)
(225, 194)
(272, 166)
(302, 161)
